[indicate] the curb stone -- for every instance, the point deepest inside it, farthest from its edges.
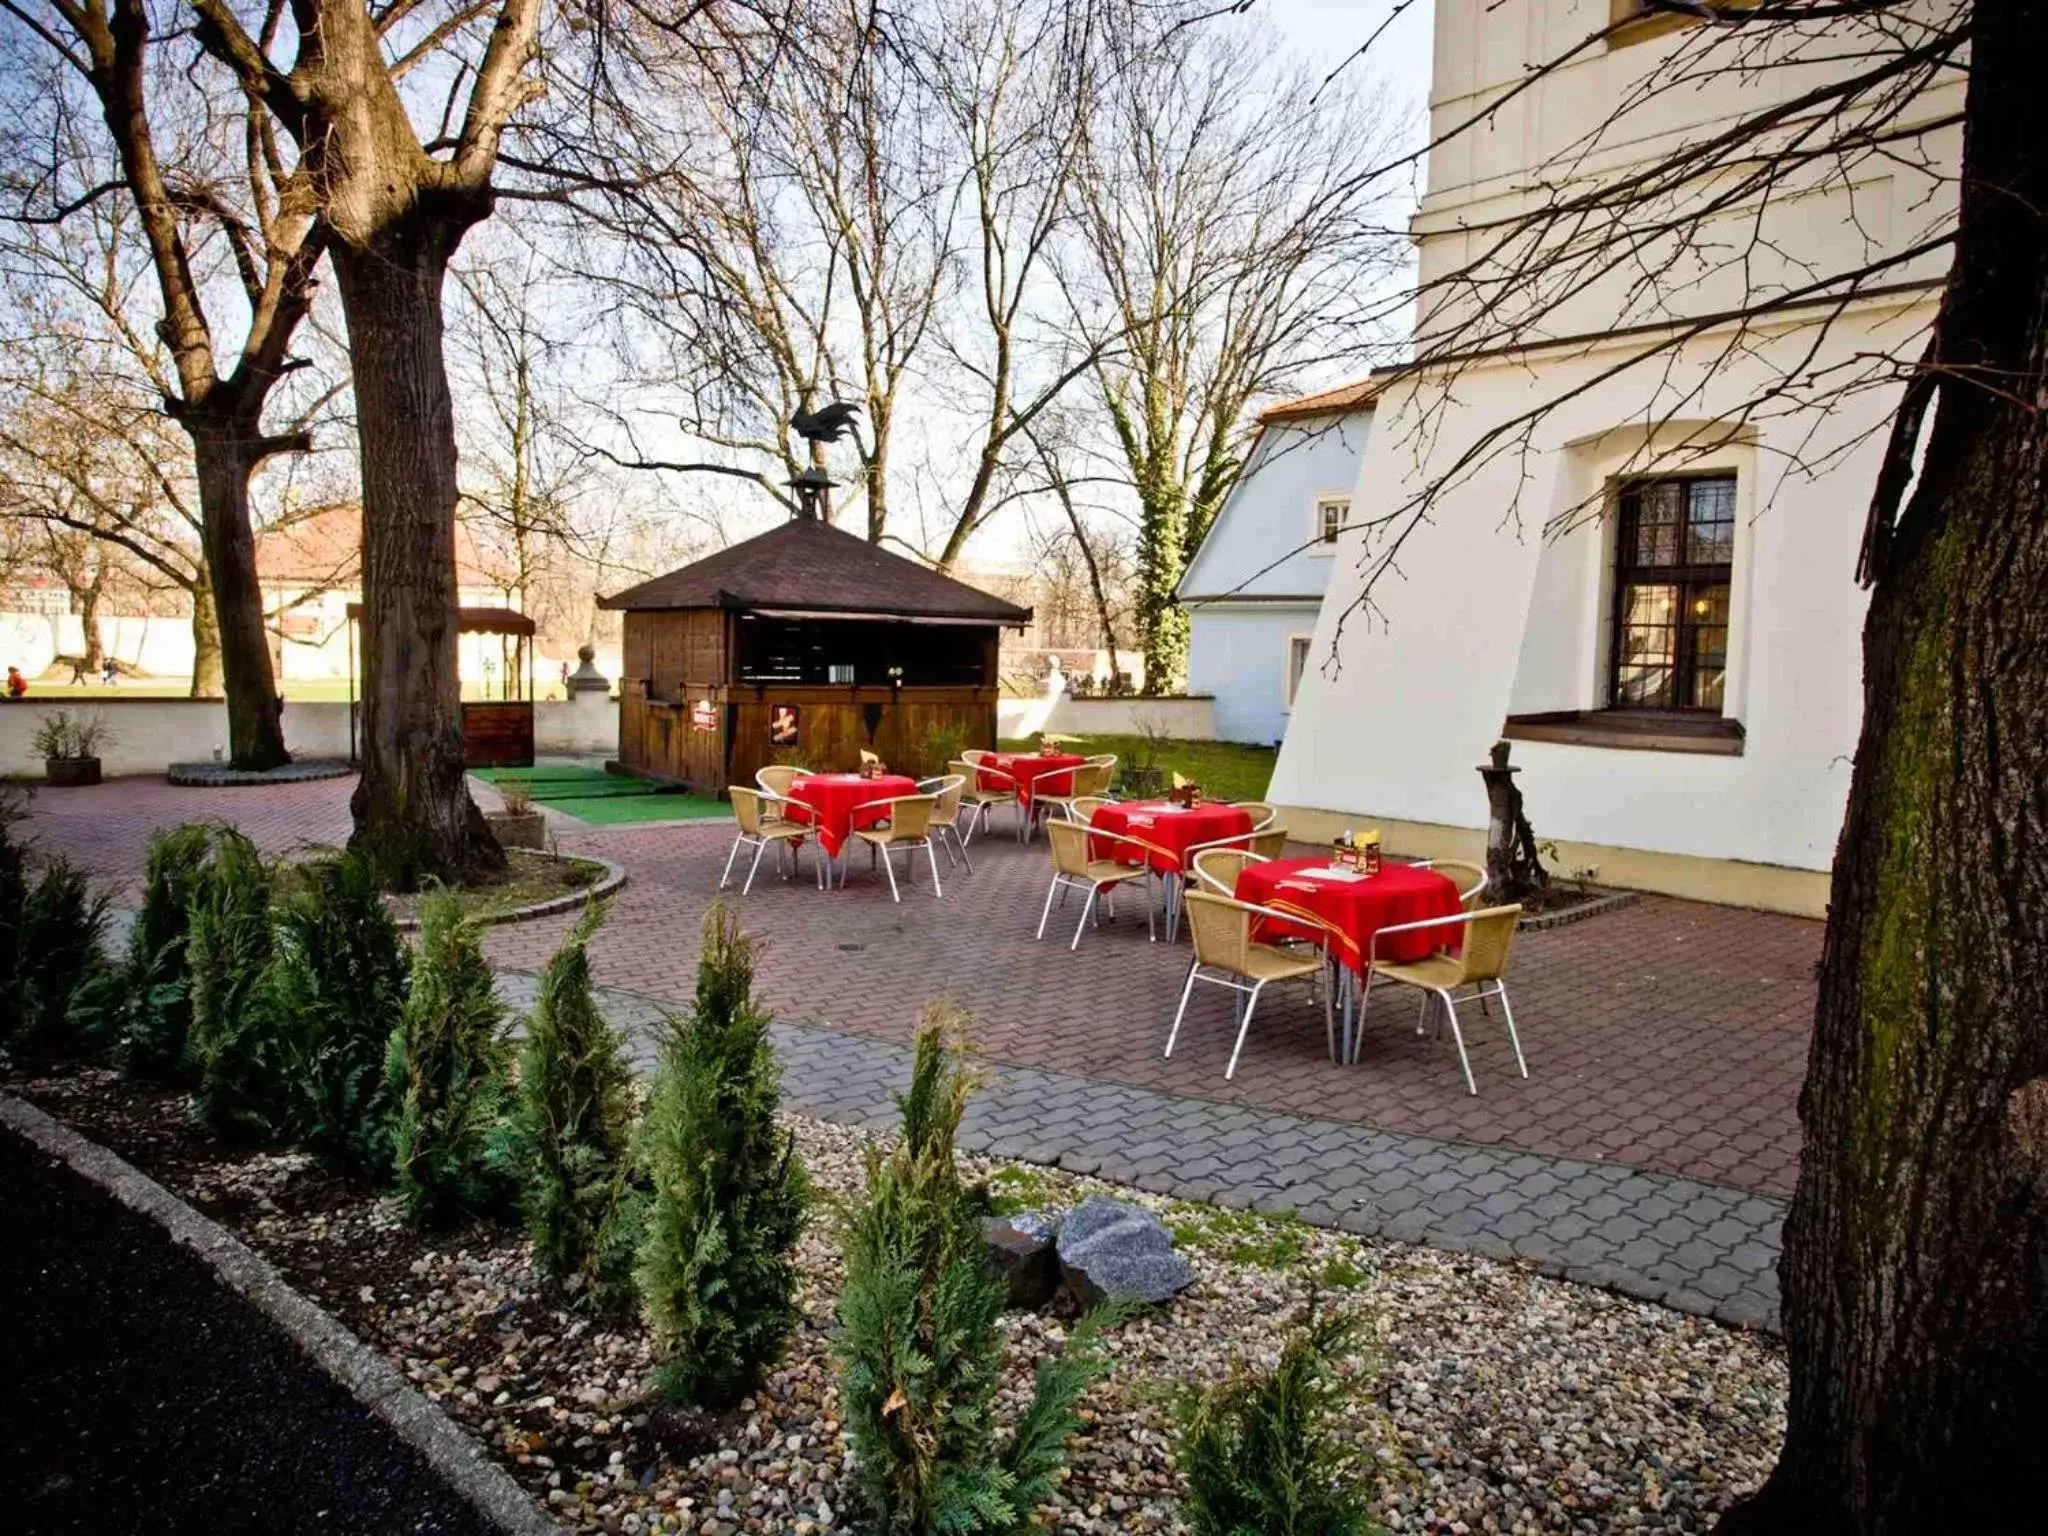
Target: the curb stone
(458, 1460)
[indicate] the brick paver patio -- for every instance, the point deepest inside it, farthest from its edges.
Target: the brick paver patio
(1648, 1150)
(1669, 1036)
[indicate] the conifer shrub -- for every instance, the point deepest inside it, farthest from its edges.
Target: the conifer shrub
(444, 1075)
(726, 1194)
(235, 1048)
(159, 1005)
(1261, 1451)
(337, 986)
(51, 925)
(572, 1124)
(919, 1346)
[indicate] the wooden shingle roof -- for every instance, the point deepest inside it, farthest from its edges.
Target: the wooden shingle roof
(805, 565)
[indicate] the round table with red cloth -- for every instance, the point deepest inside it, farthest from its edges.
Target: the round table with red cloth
(834, 796)
(1167, 830)
(1053, 770)
(1356, 908)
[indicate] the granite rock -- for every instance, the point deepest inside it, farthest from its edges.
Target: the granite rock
(1022, 1248)
(1110, 1249)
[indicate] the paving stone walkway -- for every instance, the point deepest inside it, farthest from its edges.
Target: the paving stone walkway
(1696, 1247)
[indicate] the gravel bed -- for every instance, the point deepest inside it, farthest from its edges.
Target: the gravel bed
(1496, 1400)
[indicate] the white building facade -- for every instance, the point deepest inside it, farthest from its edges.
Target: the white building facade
(1648, 584)
(1255, 587)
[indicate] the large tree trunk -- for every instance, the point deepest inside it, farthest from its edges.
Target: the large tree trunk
(206, 677)
(413, 813)
(89, 621)
(255, 724)
(1915, 1267)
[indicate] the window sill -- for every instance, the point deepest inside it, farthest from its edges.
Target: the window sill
(1630, 731)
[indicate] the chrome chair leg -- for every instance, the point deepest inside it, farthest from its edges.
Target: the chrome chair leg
(1181, 1012)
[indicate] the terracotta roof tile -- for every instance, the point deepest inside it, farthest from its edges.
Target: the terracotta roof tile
(1358, 395)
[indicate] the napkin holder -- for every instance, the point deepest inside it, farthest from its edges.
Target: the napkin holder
(1187, 796)
(873, 768)
(1361, 854)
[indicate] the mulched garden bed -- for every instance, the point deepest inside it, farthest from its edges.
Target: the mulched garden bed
(534, 878)
(1500, 1401)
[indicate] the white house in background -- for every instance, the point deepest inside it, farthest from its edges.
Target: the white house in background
(1255, 585)
(1681, 668)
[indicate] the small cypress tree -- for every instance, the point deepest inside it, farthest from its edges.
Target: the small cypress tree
(919, 1346)
(444, 1074)
(51, 924)
(573, 1122)
(159, 1005)
(338, 987)
(235, 1047)
(1260, 1451)
(727, 1194)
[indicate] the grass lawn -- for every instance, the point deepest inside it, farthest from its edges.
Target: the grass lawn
(1226, 770)
(592, 795)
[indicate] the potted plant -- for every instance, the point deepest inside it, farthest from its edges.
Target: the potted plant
(518, 825)
(69, 746)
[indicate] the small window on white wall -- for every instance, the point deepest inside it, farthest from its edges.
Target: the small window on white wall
(1297, 665)
(1332, 513)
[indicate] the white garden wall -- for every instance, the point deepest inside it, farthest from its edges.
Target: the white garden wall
(1184, 719)
(148, 735)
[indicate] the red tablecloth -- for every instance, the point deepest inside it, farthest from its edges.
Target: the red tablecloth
(1166, 829)
(1357, 909)
(1054, 771)
(836, 794)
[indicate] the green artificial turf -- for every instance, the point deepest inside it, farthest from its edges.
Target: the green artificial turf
(592, 795)
(1226, 770)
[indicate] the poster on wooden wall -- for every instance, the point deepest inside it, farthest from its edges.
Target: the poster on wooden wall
(782, 725)
(704, 715)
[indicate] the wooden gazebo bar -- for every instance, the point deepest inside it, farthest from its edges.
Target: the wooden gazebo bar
(806, 644)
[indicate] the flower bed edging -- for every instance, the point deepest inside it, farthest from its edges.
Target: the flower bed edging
(614, 878)
(464, 1465)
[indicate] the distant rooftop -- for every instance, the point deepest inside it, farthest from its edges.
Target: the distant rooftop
(1341, 400)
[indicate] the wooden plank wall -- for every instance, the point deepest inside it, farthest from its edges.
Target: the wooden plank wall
(837, 722)
(673, 660)
(497, 734)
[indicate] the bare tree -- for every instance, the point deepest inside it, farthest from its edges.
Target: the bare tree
(93, 479)
(1011, 83)
(1914, 1252)
(1234, 236)
(393, 205)
(524, 468)
(157, 165)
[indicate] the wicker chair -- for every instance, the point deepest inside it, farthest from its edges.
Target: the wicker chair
(980, 799)
(1074, 869)
(1481, 963)
(1226, 955)
(762, 822)
(1268, 842)
(1218, 868)
(1090, 781)
(947, 790)
(908, 827)
(1262, 814)
(1470, 879)
(777, 777)
(1082, 808)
